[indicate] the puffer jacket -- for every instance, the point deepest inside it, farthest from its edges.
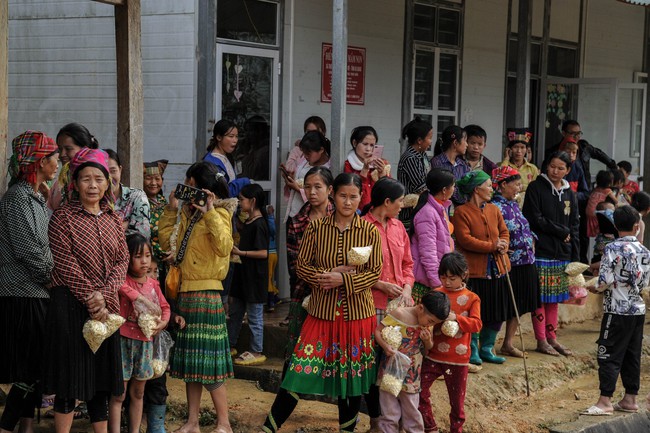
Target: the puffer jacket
(429, 242)
(207, 257)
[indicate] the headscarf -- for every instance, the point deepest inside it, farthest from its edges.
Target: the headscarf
(155, 167)
(500, 174)
(28, 149)
(471, 180)
(518, 135)
(567, 139)
(88, 157)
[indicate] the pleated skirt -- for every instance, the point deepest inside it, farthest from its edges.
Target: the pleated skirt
(71, 369)
(496, 304)
(22, 333)
(525, 285)
(553, 281)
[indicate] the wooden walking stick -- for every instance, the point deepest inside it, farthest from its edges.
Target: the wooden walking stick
(521, 335)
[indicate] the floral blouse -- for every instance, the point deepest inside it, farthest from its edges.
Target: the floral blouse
(412, 347)
(133, 207)
(521, 237)
(156, 208)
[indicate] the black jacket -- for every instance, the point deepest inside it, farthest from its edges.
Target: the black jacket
(585, 153)
(552, 218)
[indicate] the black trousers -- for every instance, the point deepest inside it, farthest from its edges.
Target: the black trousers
(619, 352)
(20, 404)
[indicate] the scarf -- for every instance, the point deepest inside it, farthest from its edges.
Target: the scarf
(354, 161)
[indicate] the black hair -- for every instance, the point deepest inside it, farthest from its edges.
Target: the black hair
(562, 156)
(437, 303)
(321, 171)
(314, 141)
(617, 176)
(319, 122)
(603, 205)
(416, 129)
(625, 217)
(360, 132)
(75, 174)
(437, 180)
(206, 175)
(604, 179)
(641, 201)
(569, 122)
(454, 263)
(79, 134)
(113, 155)
(625, 165)
(221, 128)
(345, 179)
(384, 188)
(449, 135)
(254, 191)
(475, 131)
(135, 242)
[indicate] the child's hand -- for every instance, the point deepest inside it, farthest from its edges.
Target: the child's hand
(452, 316)
(162, 324)
(426, 336)
(389, 351)
(180, 321)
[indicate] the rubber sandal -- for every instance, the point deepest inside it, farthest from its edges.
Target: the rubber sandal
(514, 352)
(248, 358)
(595, 411)
(472, 368)
(619, 408)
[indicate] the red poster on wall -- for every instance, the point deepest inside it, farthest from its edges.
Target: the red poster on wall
(356, 91)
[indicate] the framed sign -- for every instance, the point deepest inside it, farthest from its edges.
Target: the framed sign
(356, 91)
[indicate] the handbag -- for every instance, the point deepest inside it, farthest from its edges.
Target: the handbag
(174, 276)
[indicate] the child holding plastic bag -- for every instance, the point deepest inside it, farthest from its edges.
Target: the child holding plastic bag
(406, 331)
(139, 296)
(450, 354)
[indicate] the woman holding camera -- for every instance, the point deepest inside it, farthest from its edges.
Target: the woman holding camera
(201, 242)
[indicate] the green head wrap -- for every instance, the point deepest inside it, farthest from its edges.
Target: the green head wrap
(471, 180)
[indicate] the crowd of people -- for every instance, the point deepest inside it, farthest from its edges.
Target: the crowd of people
(443, 240)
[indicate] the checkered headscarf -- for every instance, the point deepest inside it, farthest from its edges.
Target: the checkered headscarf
(500, 174)
(155, 167)
(29, 148)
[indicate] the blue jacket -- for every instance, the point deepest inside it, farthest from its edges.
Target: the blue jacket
(234, 185)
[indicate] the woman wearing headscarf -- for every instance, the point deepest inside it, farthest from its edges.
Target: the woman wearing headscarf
(90, 263)
(506, 182)
(483, 238)
(25, 266)
(153, 185)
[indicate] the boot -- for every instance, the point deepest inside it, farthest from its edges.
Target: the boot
(488, 337)
(156, 418)
(475, 358)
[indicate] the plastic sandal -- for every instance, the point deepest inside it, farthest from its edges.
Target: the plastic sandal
(248, 358)
(595, 411)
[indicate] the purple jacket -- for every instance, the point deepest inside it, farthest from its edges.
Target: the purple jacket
(429, 242)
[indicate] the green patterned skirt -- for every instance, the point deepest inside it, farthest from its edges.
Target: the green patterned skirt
(202, 351)
(418, 292)
(553, 281)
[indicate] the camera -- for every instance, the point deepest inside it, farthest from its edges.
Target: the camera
(191, 194)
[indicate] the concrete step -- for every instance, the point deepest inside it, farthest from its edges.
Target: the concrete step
(618, 423)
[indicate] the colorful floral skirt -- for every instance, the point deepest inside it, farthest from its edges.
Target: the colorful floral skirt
(418, 292)
(202, 351)
(333, 358)
(297, 316)
(553, 281)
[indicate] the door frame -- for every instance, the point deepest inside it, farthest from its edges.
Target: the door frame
(274, 121)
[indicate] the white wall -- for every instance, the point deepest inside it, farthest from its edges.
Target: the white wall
(484, 69)
(62, 69)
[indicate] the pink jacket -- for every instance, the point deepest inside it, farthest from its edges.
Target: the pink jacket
(128, 294)
(429, 242)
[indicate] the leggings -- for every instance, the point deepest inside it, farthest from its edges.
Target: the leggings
(21, 402)
(97, 406)
(285, 402)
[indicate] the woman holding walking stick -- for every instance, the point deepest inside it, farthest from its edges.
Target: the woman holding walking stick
(506, 182)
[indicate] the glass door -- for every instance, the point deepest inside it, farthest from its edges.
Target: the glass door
(247, 93)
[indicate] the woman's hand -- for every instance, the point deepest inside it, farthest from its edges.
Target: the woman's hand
(330, 280)
(95, 302)
(345, 269)
(236, 251)
(173, 201)
(502, 246)
(180, 321)
(407, 296)
(210, 202)
(291, 183)
(380, 166)
(567, 239)
(390, 289)
(169, 258)
(101, 315)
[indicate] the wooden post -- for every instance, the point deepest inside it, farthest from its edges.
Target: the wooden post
(206, 65)
(4, 93)
(339, 83)
(522, 95)
(646, 151)
(130, 98)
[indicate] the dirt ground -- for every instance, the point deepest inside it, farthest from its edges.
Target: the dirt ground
(496, 397)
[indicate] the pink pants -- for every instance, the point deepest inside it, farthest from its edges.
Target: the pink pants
(545, 321)
(456, 381)
(404, 406)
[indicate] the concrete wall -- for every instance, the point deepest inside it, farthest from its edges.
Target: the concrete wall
(62, 69)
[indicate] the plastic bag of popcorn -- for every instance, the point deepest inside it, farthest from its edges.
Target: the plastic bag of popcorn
(392, 335)
(450, 328)
(395, 370)
(162, 345)
(95, 332)
(358, 256)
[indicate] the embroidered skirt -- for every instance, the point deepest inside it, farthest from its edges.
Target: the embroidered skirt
(525, 284)
(553, 281)
(297, 316)
(202, 352)
(333, 358)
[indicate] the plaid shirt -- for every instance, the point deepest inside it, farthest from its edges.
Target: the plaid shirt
(90, 252)
(296, 228)
(25, 257)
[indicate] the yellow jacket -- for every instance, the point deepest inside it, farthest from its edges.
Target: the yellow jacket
(207, 257)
